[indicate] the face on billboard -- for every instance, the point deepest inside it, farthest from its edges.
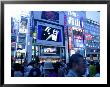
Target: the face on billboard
(49, 34)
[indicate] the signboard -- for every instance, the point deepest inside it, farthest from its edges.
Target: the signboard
(70, 43)
(78, 43)
(50, 15)
(74, 20)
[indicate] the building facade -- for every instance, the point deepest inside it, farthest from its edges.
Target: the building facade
(92, 36)
(54, 36)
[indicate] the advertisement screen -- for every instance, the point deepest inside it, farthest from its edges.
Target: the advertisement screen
(49, 50)
(78, 43)
(50, 15)
(49, 33)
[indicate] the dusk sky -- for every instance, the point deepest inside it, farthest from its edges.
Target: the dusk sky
(94, 15)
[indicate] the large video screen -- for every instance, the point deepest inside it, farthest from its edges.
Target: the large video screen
(49, 33)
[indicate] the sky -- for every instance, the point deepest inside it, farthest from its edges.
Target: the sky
(94, 15)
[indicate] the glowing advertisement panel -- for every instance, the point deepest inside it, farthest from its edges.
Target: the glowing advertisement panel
(49, 35)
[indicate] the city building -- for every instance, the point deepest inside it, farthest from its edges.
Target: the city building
(76, 32)
(92, 36)
(48, 41)
(54, 36)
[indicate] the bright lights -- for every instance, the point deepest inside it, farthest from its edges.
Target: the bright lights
(22, 30)
(71, 13)
(28, 43)
(73, 21)
(32, 47)
(69, 20)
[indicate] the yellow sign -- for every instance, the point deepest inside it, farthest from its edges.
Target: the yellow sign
(34, 34)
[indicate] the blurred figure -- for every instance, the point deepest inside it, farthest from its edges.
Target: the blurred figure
(41, 68)
(54, 35)
(77, 52)
(77, 66)
(97, 70)
(17, 70)
(49, 70)
(12, 67)
(28, 69)
(92, 69)
(35, 71)
(61, 71)
(87, 69)
(91, 58)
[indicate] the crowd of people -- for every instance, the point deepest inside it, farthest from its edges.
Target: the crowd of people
(77, 67)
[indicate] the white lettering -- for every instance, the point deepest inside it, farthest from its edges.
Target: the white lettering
(72, 13)
(69, 20)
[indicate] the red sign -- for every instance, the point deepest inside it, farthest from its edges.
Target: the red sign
(70, 43)
(88, 36)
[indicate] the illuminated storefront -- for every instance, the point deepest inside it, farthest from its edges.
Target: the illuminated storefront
(76, 33)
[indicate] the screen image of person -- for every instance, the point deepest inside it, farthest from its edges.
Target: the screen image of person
(49, 34)
(53, 36)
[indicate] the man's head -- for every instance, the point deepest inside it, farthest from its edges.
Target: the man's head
(77, 63)
(55, 32)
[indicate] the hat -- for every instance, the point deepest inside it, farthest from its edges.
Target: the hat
(48, 65)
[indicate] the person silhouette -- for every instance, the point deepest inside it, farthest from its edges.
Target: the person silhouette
(53, 36)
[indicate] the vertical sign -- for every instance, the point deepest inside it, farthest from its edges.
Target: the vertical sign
(65, 26)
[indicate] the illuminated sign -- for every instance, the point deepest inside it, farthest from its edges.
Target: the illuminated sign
(70, 43)
(88, 36)
(22, 30)
(74, 20)
(78, 43)
(50, 15)
(71, 13)
(23, 25)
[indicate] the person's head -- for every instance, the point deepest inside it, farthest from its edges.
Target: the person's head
(17, 67)
(35, 65)
(48, 67)
(37, 60)
(91, 63)
(91, 57)
(55, 32)
(78, 64)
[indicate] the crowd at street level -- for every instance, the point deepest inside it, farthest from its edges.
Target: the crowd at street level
(77, 67)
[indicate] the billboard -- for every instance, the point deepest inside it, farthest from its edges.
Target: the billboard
(50, 51)
(50, 15)
(49, 35)
(78, 43)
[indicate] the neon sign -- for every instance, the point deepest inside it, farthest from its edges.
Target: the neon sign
(74, 20)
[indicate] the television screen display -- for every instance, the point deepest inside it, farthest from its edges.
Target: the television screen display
(49, 50)
(49, 33)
